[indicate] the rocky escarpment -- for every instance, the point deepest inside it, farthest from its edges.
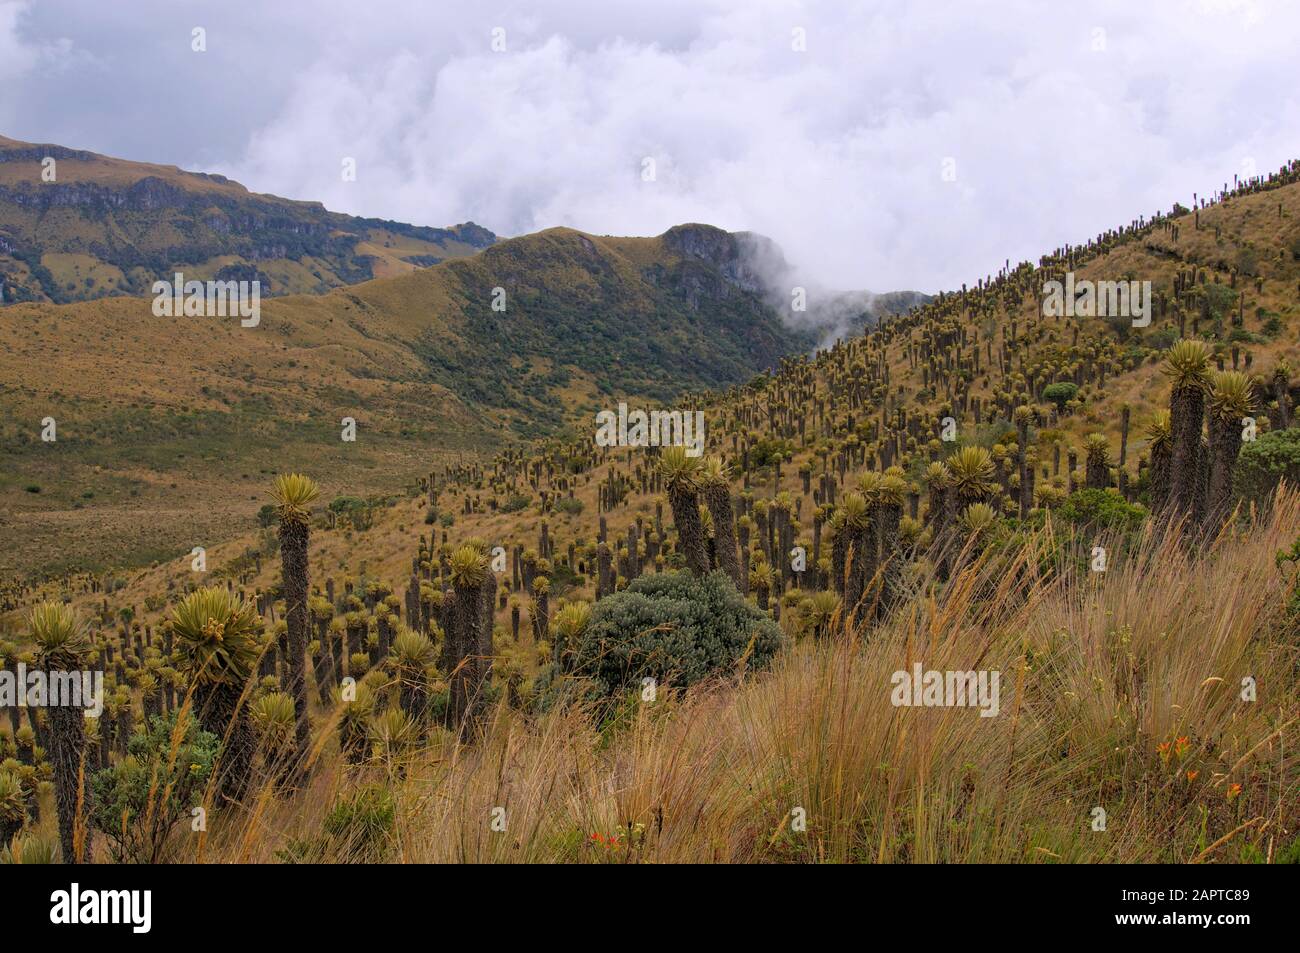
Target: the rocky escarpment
(745, 259)
(148, 221)
(27, 152)
(754, 264)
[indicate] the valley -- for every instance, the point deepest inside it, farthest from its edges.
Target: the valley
(484, 583)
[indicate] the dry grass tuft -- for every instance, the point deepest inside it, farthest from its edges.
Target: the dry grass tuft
(1120, 690)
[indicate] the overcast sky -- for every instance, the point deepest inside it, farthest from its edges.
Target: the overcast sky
(825, 125)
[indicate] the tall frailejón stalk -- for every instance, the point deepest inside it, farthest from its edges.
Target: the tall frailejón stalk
(62, 646)
(293, 496)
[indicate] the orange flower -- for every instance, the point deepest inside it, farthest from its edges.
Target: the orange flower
(1163, 748)
(1180, 746)
(1233, 791)
(1191, 776)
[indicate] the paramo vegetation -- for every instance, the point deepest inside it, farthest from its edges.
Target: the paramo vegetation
(669, 654)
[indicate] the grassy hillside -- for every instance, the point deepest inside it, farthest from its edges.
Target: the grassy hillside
(104, 226)
(165, 426)
(975, 485)
(836, 415)
(714, 775)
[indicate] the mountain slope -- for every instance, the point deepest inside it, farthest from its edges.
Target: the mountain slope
(978, 554)
(76, 226)
(975, 355)
(165, 425)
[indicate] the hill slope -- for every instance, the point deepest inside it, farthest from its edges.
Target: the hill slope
(1119, 682)
(975, 355)
(164, 425)
(76, 226)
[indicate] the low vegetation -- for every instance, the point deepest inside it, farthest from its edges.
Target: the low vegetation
(700, 662)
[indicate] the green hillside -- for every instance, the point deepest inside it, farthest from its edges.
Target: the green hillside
(163, 424)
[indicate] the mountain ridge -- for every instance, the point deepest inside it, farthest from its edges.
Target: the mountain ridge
(421, 361)
(76, 225)
(414, 351)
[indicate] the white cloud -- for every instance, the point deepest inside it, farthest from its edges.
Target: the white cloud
(835, 152)
(16, 57)
(25, 58)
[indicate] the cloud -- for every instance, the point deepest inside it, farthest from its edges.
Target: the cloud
(1060, 120)
(26, 58)
(18, 54)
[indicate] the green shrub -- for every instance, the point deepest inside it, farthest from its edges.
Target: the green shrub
(1061, 393)
(1162, 339)
(1265, 461)
(764, 451)
(563, 579)
(568, 504)
(13, 806)
(152, 781)
(1290, 854)
(1289, 562)
(362, 824)
(353, 511)
(1102, 509)
(1222, 300)
(674, 627)
(515, 503)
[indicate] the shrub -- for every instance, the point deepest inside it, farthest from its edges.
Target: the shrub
(353, 511)
(673, 626)
(1163, 338)
(162, 778)
(1060, 393)
(568, 504)
(362, 824)
(765, 451)
(517, 502)
(1102, 509)
(563, 579)
(13, 806)
(1248, 262)
(1292, 558)
(359, 827)
(1265, 461)
(30, 848)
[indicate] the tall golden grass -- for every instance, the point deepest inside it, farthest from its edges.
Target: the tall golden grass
(1121, 690)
